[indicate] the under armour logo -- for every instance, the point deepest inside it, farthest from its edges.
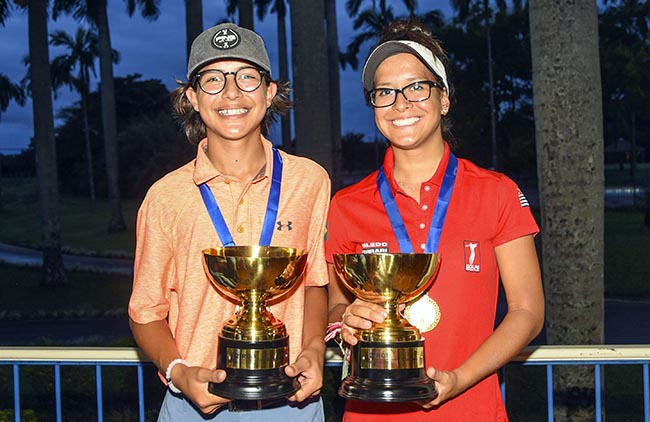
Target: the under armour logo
(287, 225)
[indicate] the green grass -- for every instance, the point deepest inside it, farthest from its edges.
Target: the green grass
(83, 227)
(83, 231)
(622, 395)
(627, 267)
(83, 222)
(86, 295)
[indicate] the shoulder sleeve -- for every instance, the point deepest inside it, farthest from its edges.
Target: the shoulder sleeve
(336, 236)
(515, 218)
(153, 271)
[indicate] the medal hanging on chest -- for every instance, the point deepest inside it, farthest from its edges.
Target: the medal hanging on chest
(425, 312)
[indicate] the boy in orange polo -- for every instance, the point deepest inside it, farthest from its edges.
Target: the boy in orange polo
(175, 312)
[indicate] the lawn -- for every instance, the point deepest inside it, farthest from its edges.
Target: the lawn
(83, 231)
(83, 225)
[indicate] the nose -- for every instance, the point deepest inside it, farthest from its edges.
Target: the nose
(230, 88)
(401, 103)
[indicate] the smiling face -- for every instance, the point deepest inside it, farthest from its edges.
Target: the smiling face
(408, 125)
(232, 114)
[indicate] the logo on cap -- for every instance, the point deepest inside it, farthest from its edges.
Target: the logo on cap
(225, 39)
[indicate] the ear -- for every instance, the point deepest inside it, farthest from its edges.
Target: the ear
(445, 103)
(271, 90)
(191, 96)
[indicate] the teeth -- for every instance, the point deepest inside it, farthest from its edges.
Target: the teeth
(233, 112)
(405, 122)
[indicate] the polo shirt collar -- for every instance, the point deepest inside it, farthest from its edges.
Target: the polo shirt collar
(204, 170)
(436, 179)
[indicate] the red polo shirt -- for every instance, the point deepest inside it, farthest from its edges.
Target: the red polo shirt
(486, 210)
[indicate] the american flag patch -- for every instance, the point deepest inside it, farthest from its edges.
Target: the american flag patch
(522, 199)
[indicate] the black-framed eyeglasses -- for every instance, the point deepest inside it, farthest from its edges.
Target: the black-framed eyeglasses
(213, 81)
(413, 92)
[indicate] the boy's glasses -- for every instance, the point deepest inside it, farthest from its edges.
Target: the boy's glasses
(213, 81)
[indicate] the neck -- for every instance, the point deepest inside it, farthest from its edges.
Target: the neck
(241, 160)
(417, 166)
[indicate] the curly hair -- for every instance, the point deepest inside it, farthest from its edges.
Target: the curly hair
(194, 127)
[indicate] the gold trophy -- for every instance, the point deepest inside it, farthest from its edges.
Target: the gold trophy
(253, 345)
(387, 363)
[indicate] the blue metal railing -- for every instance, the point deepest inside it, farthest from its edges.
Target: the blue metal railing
(596, 356)
(548, 356)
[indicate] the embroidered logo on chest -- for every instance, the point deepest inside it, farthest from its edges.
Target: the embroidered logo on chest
(374, 247)
(284, 226)
(472, 256)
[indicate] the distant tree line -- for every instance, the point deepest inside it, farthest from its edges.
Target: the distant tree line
(150, 142)
(145, 125)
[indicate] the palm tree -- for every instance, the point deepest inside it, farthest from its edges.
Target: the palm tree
(310, 80)
(193, 22)
(73, 69)
(372, 21)
(95, 12)
(333, 59)
(569, 137)
(10, 92)
(41, 89)
(245, 9)
(279, 7)
(463, 7)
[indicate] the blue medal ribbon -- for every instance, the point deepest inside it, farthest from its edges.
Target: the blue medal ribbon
(271, 207)
(439, 214)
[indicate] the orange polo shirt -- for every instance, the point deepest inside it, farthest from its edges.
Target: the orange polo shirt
(174, 227)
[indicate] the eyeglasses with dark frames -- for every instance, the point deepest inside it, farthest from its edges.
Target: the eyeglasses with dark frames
(414, 92)
(213, 81)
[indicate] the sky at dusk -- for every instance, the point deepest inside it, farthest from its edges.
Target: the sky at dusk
(156, 50)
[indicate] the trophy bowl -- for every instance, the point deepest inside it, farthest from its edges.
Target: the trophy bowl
(253, 346)
(387, 363)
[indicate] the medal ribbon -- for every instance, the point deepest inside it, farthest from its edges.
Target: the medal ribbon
(439, 214)
(271, 207)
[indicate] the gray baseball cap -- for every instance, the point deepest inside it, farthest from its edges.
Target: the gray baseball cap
(227, 41)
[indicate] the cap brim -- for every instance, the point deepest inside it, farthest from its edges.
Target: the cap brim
(381, 53)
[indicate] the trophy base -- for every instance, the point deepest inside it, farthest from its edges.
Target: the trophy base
(256, 385)
(388, 372)
(255, 371)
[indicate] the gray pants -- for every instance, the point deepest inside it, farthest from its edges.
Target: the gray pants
(176, 408)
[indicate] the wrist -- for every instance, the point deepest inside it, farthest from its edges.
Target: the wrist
(168, 374)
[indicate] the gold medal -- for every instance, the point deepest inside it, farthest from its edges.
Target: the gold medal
(423, 314)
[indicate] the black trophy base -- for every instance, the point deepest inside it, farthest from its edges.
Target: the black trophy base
(255, 385)
(388, 372)
(244, 382)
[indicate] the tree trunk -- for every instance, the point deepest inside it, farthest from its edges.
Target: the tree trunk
(246, 16)
(193, 22)
(89, 153)
(283, 58)
(493, 120)
(335, 92)
(109, 121)
(311, 83)
(53, 271)
(569, 137)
